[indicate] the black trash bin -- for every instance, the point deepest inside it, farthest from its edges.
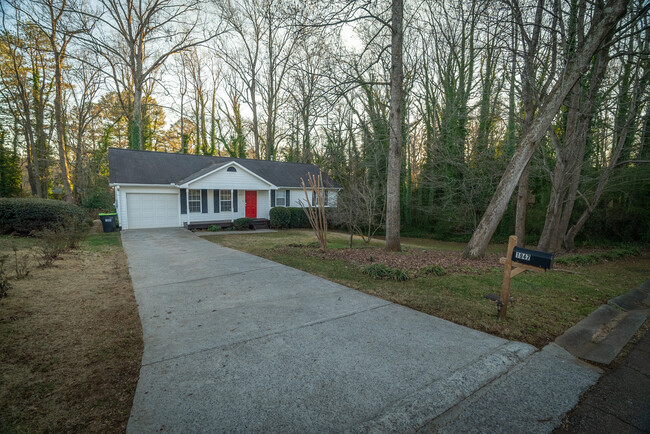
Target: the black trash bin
(108, 221)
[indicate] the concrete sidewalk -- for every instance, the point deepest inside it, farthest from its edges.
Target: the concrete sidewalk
(234, 342)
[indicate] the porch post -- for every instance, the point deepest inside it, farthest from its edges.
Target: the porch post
(187, 202)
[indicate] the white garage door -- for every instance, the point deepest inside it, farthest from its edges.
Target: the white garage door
(152, 210)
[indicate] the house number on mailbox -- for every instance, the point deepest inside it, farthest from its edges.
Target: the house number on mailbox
(522, 256)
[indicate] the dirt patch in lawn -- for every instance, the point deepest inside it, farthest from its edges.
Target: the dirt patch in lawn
(71, 344)
(409, 259)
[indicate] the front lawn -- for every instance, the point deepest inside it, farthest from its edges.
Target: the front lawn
(71, 339)
(543, 305)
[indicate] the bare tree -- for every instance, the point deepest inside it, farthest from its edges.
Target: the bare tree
(358, 208)
(396, 138)
(315, 208)
(243, 53)
(136, 38)
(58, 24)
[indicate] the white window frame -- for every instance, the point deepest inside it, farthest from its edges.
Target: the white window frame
(225, 200)
(282, 193)
(192, 202)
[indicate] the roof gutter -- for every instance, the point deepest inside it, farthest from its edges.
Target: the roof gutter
(123, 184)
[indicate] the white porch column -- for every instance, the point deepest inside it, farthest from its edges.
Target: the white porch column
(187, 204)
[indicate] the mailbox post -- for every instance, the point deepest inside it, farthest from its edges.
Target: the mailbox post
(517, 261)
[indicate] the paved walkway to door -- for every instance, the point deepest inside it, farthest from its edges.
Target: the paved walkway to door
(233, 342)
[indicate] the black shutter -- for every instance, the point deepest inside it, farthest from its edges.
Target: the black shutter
(216, 200)
(286, 199)
(272, 198)
(234, 200)
(183, 201)
(313, 198)
(204, 201)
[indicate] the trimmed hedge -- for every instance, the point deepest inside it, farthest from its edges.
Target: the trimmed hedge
(298, 218)
(242, 223)
(289, 217)
(26, 216)
(280, 217)
(292, 218)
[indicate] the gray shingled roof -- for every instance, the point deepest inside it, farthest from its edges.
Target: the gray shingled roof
(126, 166)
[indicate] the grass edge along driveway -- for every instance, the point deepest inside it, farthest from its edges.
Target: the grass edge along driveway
(544, 305)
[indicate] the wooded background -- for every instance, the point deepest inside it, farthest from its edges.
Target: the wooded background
(498, 117)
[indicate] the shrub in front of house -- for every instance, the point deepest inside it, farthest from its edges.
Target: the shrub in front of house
(298, 218)
(242, 223)
(280, 217)
(28, 216)
(214, 228)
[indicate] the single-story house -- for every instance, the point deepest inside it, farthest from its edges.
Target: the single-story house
(158, 189)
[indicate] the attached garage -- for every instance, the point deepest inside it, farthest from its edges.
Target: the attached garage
(152, 210)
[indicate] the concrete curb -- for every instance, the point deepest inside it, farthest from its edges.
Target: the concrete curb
(601, 336)
(414, 411)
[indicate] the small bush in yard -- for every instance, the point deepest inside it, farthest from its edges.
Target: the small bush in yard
(242, 223)
(435, 270)
(27, 216)
(214, 228)
(21, 263)
(5, 285)
(280, 217)
(75, 231)
(54, 244)
(383, 271)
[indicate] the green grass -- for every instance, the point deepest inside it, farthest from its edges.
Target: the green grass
(544, 304)
(598, 257)
(93, 242)
(97, 242)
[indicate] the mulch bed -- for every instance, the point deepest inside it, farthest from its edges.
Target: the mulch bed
(408, 259)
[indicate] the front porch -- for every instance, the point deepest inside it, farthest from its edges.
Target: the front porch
(258, 223)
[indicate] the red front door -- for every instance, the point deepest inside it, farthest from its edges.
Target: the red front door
(251, 204)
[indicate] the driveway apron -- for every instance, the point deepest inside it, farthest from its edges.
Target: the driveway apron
(234, 342)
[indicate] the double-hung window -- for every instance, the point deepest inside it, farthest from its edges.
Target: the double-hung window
(226, 200)
(194, 200)
(280, 198)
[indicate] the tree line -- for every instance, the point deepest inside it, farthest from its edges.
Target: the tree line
(455, 119)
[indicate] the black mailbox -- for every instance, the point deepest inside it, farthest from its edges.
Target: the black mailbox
(532, 257)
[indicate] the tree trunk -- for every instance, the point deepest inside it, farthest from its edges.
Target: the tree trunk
(570, 156)
(522, 207)
(574, 69)
(395, 149)
(569, 238)
(256, 130)
(136, 125)
(60, 125)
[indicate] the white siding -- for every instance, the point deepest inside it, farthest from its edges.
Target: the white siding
(263, 204)
(239, 180)
(297, 194)
(196, 217)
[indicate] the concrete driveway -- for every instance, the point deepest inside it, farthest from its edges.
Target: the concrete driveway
(233, 342)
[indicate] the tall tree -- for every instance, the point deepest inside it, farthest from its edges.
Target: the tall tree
(613, 11)
(136, 38)
(396, 136)
(55, 20)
